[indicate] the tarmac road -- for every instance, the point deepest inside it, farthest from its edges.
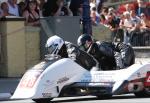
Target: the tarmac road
(90, 99)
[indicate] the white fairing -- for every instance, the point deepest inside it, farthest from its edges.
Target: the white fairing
(54, 77)
(115, 78)
(48, 83)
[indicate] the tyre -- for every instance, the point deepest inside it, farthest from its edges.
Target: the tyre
(107, 96)
(144, 93)
(42, 100)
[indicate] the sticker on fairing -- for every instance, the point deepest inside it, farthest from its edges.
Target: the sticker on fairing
(147, 80)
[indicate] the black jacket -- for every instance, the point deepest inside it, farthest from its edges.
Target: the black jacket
(105, 52)
(82, 58)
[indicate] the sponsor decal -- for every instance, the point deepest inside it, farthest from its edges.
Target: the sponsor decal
(46, 95)
(49, 83)
(147, 80)
(61, 80)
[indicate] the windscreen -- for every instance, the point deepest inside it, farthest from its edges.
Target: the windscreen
(50, 59)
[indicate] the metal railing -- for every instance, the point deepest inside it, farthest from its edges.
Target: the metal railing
(135, 38)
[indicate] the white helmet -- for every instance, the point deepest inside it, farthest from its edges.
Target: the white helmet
(54, 44)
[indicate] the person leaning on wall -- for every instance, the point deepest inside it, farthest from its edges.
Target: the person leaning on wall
(31, 14)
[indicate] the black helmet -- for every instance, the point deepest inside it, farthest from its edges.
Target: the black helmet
(82, 40)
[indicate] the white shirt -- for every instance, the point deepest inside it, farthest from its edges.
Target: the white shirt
(13, 10)
(136, 20)
(128, 23)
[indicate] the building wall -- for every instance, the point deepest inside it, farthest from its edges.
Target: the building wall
(20, 47)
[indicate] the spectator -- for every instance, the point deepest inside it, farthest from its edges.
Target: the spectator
(76, 7)
(21, 7)
(41, 3)
(62, 9)
(148, 10)
(128, 7)
(102, 19)
(31, 14)
(0, 10)
(121, 23)
(145, 23)
(92, 4)
(120, 33)
(13, 7)
(56, 8)
(113, 25)
(4, 8)
(105, 12)
(136, 20)
(47, 8)
(145, 30)
(99, 5)
(128, 26)
(111, 10)
(141, 7)
(128, 23)
(93, 16)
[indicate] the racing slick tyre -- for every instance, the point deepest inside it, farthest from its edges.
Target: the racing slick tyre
(42, 100)
(144, 93)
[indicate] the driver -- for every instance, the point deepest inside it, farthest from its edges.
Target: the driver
(56, 45)
(109, 55)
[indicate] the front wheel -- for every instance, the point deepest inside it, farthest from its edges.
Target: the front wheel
(144, 93)
(42, 100)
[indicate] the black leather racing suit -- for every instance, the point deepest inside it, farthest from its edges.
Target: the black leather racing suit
(81, 57)
(112, 55)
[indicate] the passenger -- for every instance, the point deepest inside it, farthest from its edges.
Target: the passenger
(109, 55)
(56, 45)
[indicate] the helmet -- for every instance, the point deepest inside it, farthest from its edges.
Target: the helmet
(54, 44)
(82, 40)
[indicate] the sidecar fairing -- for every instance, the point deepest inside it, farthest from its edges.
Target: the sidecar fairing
(59, 77)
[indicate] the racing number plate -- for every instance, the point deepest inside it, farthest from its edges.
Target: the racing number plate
(29, 79)
(147, 80)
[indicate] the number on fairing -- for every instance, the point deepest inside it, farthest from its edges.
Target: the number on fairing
(147, 80)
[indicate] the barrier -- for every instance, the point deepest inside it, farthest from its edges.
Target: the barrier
(20, 47)
(13, 51)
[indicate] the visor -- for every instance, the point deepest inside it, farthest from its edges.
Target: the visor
(52, 49)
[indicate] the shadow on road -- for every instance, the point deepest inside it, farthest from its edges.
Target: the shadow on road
(91, 98)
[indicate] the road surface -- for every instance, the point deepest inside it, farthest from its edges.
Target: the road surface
(89, 99)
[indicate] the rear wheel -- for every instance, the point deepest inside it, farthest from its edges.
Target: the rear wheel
(144, 93)
(42, 100)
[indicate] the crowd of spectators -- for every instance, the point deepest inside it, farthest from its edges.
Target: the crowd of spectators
(132, 18)
(32, 10)
(28, 9)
